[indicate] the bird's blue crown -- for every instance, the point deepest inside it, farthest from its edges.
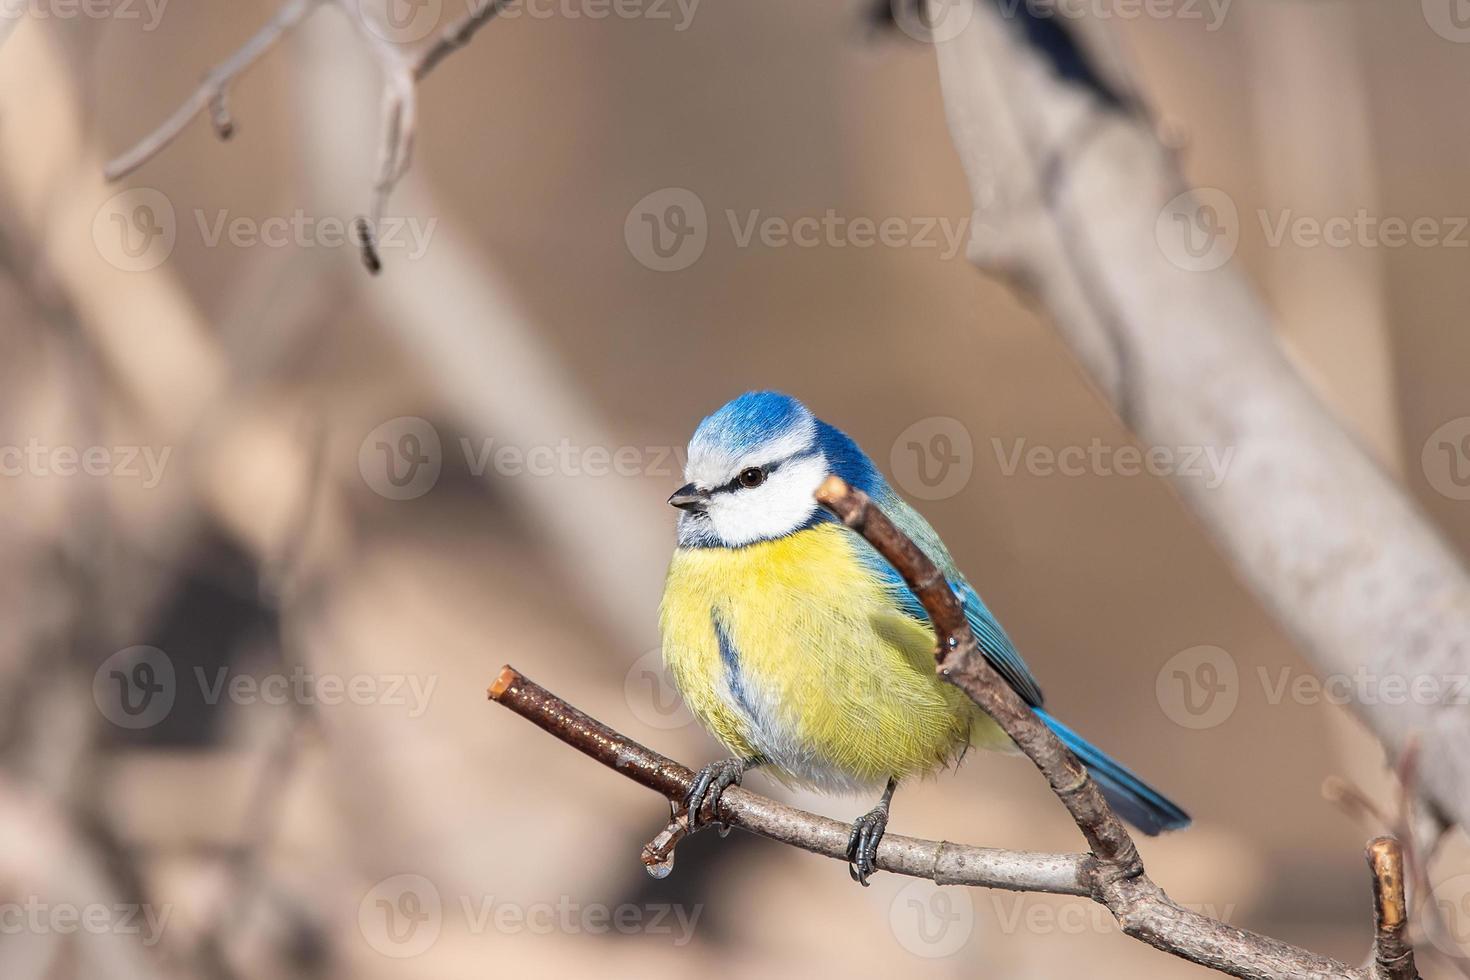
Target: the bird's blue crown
(759, 418)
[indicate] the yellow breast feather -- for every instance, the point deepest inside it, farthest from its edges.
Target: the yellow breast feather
(792, 649)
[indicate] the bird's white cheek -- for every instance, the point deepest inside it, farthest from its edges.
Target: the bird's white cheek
(739, 520)
(781, 505)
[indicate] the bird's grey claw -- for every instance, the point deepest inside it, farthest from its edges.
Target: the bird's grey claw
(709, 783)
(862, 844)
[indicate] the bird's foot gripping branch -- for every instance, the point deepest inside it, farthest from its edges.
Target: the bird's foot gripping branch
(1111, 873)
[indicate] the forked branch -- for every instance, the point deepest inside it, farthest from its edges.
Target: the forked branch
(401, 74)
(1112, 874)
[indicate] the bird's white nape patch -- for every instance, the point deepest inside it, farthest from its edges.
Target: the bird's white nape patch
(777, 507)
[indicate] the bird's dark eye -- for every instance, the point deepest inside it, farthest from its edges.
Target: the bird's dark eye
(751, 477)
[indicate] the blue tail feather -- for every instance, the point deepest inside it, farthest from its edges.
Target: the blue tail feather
(1132, 798)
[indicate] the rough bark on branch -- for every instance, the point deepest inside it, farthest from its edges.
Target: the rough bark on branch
(1111, 875)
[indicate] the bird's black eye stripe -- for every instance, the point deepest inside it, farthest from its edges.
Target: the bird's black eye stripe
(739, 483)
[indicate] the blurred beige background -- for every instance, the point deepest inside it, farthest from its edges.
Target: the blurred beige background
(282, 381)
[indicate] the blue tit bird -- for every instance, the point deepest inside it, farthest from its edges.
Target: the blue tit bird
(802, 649)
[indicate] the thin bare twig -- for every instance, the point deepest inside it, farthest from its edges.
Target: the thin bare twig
(212, 93)
(399, 120)
(1354, 802)
(1111, 875)
(456, 36)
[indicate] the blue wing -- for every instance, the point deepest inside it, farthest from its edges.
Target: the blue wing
(1134, 800)
(994, 643)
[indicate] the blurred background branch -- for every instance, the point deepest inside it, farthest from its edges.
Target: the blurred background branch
(1312, 522)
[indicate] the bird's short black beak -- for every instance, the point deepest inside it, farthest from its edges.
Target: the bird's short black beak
(690, 497)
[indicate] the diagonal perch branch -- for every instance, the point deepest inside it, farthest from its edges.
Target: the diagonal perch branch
(1064, 874)
(1111, 875)
(961, 663)
(940, 861)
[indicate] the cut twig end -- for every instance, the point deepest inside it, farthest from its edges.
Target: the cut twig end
(368, 245)
(849, 504)
(833, 492)
(219, 115)
(503, 682)
(1392, 953)
(658, 854)
(1386, 858)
